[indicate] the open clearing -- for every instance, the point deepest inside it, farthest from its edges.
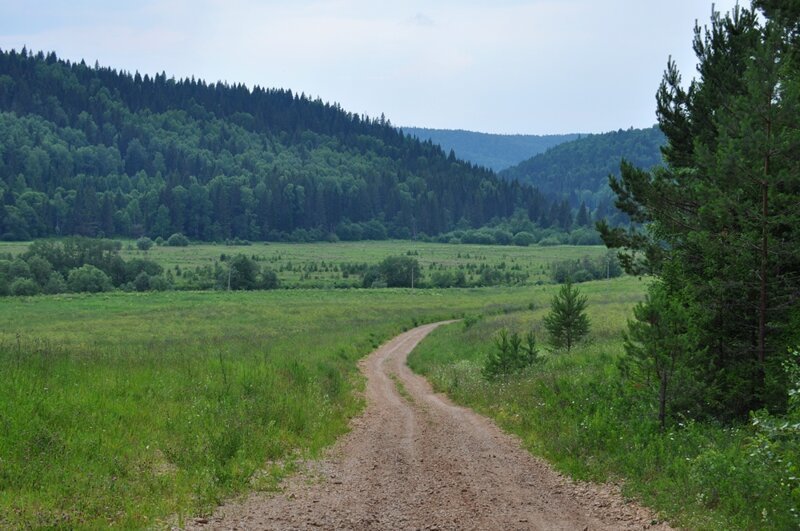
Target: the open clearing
(326, 265)
(129, 409)
(416, 461)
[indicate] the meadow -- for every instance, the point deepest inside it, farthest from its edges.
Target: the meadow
(580, 412)
(144, 409)
(329, 265)
(141, 409)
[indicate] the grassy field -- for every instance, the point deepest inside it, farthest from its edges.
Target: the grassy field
(139, 409)
(578, 412)
(324, 265)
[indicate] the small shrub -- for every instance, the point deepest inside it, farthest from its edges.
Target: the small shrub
(471, 320)
(775, 447)
(512, 354)
(144, 243)
(177, 240)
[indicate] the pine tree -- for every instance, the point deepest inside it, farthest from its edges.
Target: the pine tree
(660, 340)
(722, 227)
(567, 322)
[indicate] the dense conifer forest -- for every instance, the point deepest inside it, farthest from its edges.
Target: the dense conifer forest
(97, 152)
(494, 151)
(578, 170)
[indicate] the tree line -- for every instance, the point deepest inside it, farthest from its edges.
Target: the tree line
(719, 224)
(92, 265)
(97, 152)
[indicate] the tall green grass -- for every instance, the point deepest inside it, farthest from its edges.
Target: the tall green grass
(138, 410)
(576, 411)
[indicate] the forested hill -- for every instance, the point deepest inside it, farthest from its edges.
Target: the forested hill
(496, 152)
(579, 170)
(90, 151)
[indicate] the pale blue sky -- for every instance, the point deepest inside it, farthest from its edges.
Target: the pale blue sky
(506, 66)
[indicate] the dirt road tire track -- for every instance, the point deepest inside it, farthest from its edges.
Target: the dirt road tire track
(414, 460)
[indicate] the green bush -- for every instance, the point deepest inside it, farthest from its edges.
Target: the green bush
(40, 269)
(585, 236)
(524, 239)
(372, 278)
(550, 241)
(448, 279)
(159, 283)
(144, 243)
(55, 283)
(400, 271)
(142, 282)
(136, 266)
(177, 240)
(268, 279)
(502, 237)
(479, 237)
(776, 445)
(241, 274)
(24, 287)
(586, 268)
(19, 268)
(88, 278)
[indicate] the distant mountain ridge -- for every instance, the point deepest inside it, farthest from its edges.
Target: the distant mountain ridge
(494, 151)
(578, 170)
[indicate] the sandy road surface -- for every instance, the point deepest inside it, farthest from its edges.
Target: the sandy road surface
(416, 461)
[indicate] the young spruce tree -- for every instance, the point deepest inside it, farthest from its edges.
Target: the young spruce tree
(567, 322)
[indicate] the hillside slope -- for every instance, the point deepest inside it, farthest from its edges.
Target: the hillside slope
(579, 170)
(496, 152)
(91, 151)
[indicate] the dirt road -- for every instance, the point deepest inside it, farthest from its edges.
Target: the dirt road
(416, 461)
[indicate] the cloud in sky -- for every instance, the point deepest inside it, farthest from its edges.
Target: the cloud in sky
(539, 66)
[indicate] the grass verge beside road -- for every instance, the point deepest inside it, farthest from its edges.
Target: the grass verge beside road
(577, 411)
(125, 409)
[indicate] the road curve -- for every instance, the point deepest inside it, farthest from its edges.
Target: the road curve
(414, 460)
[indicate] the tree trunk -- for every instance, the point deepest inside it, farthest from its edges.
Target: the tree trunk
(762, 307)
